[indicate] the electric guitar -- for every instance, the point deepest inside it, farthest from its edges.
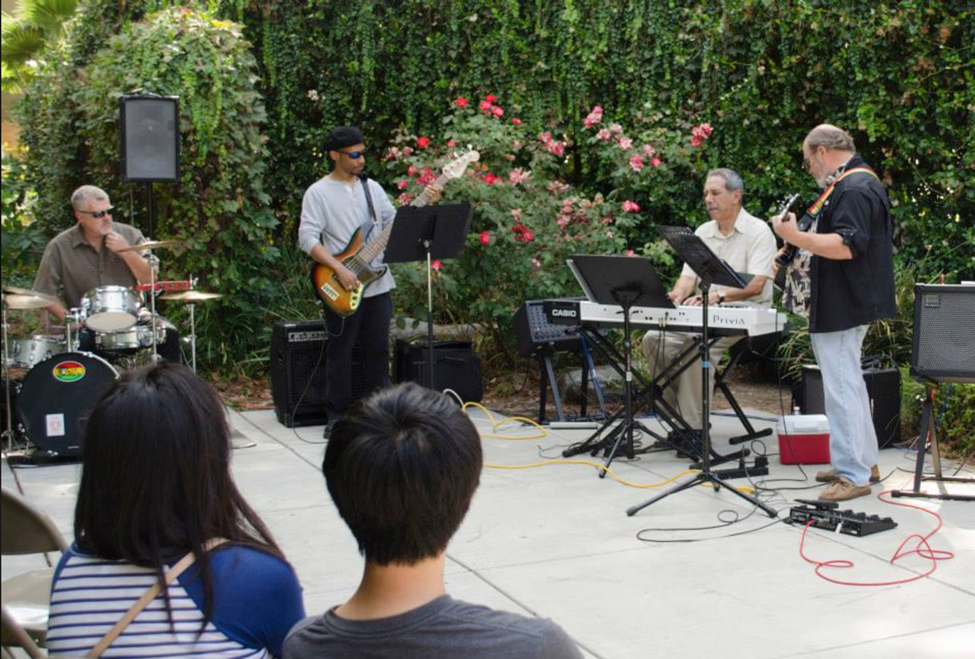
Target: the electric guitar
(357, 256)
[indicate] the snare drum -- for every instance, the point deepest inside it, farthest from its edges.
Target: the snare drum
(58, 395)
(24, 353)
(111, 308)
(132, 339)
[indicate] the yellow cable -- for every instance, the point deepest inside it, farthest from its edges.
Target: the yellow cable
(601, 467)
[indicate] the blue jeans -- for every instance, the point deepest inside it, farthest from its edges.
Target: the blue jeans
(852, 437)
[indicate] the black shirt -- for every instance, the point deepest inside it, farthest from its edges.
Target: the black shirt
(849, 293)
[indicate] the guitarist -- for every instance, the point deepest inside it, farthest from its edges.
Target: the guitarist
(849, 250)
(331, 211)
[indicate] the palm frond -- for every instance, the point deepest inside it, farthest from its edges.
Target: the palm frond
(48, 14)
(21, 41)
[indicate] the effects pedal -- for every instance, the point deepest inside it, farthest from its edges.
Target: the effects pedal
(825, 515)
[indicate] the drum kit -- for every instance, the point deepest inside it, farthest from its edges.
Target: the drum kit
(51, 384)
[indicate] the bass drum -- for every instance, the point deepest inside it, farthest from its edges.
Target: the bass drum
(57, 396)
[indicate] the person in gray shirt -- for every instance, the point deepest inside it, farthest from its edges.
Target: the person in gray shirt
(333, 208)
(402, 467)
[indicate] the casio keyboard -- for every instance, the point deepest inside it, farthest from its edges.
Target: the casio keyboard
(752, 321)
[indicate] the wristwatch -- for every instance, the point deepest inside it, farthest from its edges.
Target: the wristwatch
(720, 297)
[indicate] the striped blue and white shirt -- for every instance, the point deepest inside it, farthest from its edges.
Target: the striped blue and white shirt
(257, 599)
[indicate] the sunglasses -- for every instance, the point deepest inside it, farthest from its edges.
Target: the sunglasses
(99, 214)
(353, 155)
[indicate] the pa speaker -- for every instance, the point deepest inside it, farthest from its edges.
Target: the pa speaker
(943, 349)
(883, 390)
(150, 138)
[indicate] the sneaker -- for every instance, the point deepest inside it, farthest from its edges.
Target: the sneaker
(843, 490)
(829, 475)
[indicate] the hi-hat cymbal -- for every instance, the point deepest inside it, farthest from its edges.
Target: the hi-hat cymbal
(33, 301)
(191, 296)
(152, 244)
(14, 290)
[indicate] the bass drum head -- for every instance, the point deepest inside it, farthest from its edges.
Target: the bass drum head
(57, 396)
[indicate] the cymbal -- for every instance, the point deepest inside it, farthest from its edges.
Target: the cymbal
(191, 296)
(14, 290)
(152, 244)
(33, 301)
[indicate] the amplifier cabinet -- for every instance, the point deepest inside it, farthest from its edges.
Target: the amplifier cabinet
(883, 388)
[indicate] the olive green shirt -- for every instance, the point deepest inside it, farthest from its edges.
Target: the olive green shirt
(71, 267)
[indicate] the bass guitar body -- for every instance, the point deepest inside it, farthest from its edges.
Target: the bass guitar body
(329, 289)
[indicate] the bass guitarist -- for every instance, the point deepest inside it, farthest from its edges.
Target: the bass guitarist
(333, 208)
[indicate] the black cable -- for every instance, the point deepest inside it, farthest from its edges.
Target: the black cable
(311, 376)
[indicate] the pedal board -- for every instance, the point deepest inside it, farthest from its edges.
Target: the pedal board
(826, 515)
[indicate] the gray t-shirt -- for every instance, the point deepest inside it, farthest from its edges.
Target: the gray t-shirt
(442, 628)
(331, 211)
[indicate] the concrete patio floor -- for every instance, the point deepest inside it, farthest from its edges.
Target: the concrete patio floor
(555, 542)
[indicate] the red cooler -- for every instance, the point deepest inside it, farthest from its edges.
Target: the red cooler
(804, 439)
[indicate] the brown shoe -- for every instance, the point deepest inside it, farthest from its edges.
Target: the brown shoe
(829, 475)
(843, 490)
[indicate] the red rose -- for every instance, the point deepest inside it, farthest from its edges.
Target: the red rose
(485, 238)
(485, 106)
(423, 142)
(461, 102)
(497, 111)
(527, 235)
(490, 98)
(516, 121)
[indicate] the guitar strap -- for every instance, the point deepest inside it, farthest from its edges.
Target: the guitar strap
(372, 209)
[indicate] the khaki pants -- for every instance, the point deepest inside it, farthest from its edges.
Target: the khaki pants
(685, 393)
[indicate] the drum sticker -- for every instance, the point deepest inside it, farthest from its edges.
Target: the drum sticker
(69, 371)
(55, 425)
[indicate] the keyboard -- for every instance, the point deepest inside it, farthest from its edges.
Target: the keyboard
(751, 321)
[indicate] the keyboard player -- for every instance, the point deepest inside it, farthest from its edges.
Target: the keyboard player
(748, 245)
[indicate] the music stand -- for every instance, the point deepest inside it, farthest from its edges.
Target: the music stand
(425, 233)
(627, 281)
(710, 269)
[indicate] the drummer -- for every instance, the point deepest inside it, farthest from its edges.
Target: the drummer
(89, 255)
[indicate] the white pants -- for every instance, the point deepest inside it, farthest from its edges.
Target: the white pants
(685, 393)
(852, 437)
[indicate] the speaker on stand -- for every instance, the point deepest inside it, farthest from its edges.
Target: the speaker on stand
(150, 142)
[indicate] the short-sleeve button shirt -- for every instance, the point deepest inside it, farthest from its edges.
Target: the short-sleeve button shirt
(749, 249)
(71, 267)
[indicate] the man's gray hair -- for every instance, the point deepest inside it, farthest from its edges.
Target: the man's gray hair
(831, 137)
(732, 181)
(80, 197)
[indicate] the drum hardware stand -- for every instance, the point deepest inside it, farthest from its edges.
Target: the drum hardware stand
(9, 430)
(153, 264)
(192, 306)
(710, 269)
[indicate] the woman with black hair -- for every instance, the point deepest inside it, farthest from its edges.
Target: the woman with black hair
(157, 505)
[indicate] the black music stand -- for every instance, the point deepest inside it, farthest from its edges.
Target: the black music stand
(627, 281)
(425, 233)
(710, 269)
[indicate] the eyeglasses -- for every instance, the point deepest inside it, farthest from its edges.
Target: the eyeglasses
(99, 214)
(353, 155)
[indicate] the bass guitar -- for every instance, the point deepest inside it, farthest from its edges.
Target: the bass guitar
(357, 256)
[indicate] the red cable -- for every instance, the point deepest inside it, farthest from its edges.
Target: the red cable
(922, 549)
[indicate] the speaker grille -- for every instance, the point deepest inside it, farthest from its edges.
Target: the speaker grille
(150, 138)
(944, 333)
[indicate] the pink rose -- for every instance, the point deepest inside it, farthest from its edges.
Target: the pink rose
(636, 162)
(516, 121)
(427, 177)
(656, 162)
(516, 215)
(407, 151)
(517, 176)
(604, 135)
(485, 238)
(545, 138)
(648, 150)
(557, 148)
(436, 265)
(497, 111)
(405, 199)
(423, 142)
(490, 98)
(485, 106)
(630, 252)
(616, 129)
(451, 143)
(413, 171)
(461, 102)
(625, 143)
(594, 117)
(402, 185)
(392, 154)
(631, 207)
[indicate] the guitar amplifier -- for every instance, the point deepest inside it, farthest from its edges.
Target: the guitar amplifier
(298, 372)
(534, 333)
(883, 389)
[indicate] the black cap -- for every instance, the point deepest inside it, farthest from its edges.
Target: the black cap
(342, 137)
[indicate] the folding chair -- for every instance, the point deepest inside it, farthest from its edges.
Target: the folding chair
(27, 597)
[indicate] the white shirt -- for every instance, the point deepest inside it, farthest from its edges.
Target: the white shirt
(749, 249)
